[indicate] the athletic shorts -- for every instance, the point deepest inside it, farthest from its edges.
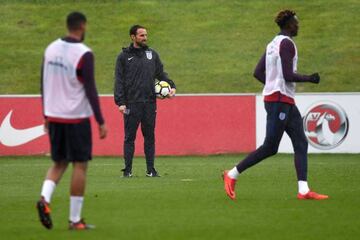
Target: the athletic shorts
(70, 142)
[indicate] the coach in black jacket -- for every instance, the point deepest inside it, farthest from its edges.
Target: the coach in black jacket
(136, 69)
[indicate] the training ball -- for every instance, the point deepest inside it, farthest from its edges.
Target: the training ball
(162, 89)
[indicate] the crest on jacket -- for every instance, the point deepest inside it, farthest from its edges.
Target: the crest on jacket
(148, 54)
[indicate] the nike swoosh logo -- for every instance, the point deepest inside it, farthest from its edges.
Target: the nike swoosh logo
(11, 137)
(130, 58)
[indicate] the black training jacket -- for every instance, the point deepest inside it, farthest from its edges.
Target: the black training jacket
(135, 73)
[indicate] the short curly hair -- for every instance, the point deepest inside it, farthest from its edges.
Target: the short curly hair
(133, 29)
(283, 17)
(74, 20)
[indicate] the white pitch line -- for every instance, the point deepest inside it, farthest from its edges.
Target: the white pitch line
(49, 164)
(187, 180)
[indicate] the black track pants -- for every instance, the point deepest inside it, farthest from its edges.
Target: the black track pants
(144, 113)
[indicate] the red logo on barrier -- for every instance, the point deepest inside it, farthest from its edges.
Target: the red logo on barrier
(326, 125)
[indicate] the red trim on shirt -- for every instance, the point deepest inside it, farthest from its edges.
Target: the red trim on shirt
(64, 120)
(279, 97)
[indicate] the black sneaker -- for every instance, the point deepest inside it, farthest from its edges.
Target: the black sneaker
(126, 173)
(44, 213)
(152, 173)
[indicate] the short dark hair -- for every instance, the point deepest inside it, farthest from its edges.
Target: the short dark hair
(74, 20)
(283, 17)
(133, 29)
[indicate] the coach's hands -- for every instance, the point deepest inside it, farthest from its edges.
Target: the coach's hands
(315, 78)
(122, 109)
(172, 93)
(102, 131)
(46, 125)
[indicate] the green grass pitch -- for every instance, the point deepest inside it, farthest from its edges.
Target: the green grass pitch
(206, 45)
(188, 201)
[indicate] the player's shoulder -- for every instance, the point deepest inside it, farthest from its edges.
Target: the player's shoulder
(287, 43)
(85, 48)
(124, 51)
(287, 40)
(53, 44)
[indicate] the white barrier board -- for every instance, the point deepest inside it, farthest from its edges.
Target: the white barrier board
(331, 122)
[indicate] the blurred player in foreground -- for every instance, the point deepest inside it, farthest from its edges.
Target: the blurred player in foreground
(69, 98)
(277, 70)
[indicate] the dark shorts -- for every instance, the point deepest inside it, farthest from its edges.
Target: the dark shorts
(70, 141)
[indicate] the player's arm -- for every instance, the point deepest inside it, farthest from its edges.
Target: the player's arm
(87, 74)
(259, 72)
(163, 76)
(119, 86)
(287, 53)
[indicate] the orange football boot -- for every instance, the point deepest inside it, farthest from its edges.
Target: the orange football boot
(44, 213)
(80, 225)
(312, 196)
(229, 185)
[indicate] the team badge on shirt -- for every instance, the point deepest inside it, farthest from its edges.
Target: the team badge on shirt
(282, 116)
(148, 54)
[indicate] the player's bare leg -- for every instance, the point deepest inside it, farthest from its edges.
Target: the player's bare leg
(77, 190)
(78, 179)
(56, 171)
